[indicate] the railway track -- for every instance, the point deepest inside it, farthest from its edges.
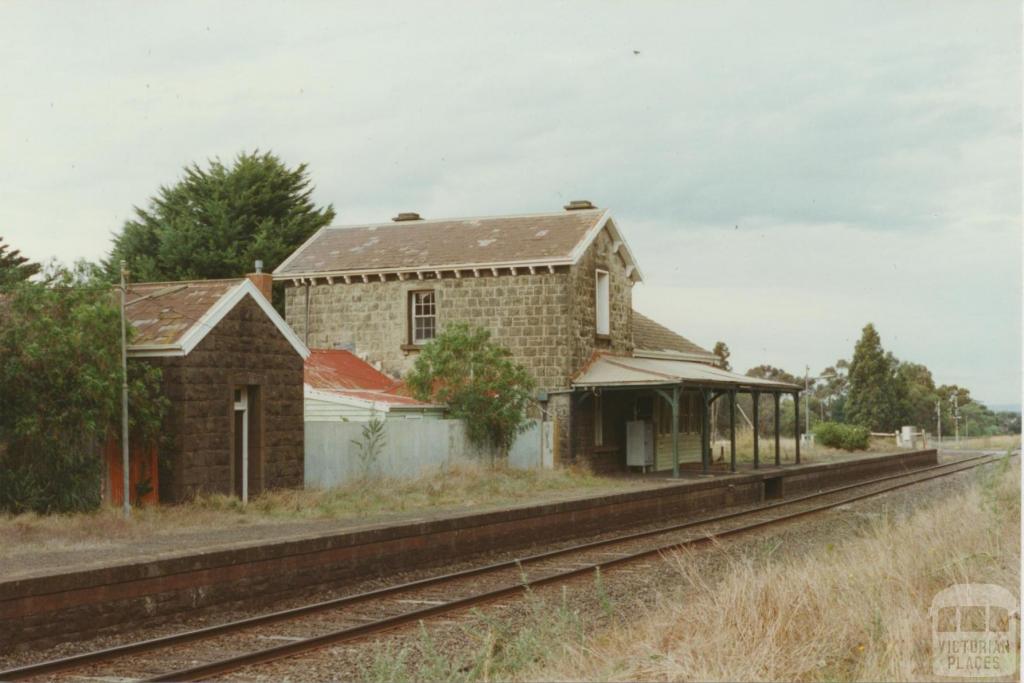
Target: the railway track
(215, 650)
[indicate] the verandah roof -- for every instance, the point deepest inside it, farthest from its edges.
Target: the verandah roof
(624, 371)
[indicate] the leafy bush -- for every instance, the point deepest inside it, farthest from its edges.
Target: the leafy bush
(845, 436)
(479, 382)
(60, 391)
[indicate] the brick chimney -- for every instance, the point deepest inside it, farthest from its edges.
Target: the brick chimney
(263, 281)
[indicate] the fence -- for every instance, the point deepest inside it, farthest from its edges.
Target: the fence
(409, 448)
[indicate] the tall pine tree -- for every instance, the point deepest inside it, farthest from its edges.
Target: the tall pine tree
(13, 266)
(216, 221)
(873, 399)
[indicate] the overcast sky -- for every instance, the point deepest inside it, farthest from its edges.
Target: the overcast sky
(784, 172)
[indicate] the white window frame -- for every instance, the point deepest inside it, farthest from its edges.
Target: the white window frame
(602, 302)
(414, 315)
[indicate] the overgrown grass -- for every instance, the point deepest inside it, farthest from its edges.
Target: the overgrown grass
(787, 449)
(499, 649)
(462, 486)
(854, 610)
(999, 442)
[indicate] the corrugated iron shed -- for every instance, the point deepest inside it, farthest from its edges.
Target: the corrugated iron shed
(343, 374)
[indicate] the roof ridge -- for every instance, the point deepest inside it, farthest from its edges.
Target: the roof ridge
(421, 221)
(187, 282)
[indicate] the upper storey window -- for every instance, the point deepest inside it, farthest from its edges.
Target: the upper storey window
(422, 317)
(603, 299)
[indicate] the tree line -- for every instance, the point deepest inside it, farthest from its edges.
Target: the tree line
(876, 390)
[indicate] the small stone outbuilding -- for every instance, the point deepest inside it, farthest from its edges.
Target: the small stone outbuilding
(233, 373)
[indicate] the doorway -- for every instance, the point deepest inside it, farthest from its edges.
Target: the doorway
(247, 448)
(240, 463)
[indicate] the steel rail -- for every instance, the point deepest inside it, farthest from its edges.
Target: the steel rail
(116, 651)
(229, 664)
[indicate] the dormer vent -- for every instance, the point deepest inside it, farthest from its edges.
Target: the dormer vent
(407, 216)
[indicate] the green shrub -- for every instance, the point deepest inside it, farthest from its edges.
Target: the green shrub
(60, 392)
(478, 380)
(838, 435)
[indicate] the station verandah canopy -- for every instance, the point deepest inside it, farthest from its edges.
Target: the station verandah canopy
(668, 377)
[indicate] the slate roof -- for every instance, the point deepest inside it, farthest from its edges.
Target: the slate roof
(163, 312)
(651, 336)
(548, 238)
(344, 374)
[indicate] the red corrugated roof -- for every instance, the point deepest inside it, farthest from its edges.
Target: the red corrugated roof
(346, 374)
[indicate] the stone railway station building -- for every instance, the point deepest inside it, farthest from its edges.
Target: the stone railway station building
(556, 289)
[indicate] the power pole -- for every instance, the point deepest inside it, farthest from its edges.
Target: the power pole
(956, 417)
(938, 419)
(124, 400)
(807, 398)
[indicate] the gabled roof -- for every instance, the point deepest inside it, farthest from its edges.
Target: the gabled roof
(171, 318)
(653, 339)
(538, 240)
(336, 374)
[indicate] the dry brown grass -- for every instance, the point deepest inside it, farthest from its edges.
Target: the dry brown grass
(463, 486)
(857, 610)
(787, 448)
(1000, 442)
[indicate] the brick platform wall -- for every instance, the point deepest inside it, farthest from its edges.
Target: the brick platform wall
(45, 610)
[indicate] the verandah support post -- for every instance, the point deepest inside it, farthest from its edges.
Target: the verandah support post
(755, 396)
(796, 423)
(732, 430)
(705, 438)
(778, 460)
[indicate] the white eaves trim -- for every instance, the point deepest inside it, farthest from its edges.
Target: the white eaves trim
(331, 397)
(210, 320)
(343, 400)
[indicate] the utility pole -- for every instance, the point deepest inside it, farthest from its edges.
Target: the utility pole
(938, 419)
(124, 399)
(807, 398)
(956, 417)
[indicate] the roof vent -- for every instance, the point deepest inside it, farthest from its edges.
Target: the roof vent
(578, 204)
(407, 216)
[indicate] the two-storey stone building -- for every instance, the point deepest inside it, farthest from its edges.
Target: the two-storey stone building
(555, 288)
